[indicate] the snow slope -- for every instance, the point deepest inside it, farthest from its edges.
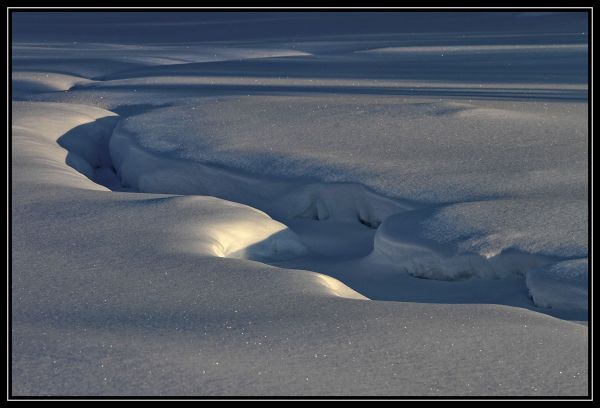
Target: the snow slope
(292, 209)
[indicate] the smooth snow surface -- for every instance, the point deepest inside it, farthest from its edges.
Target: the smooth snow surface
(299, 204)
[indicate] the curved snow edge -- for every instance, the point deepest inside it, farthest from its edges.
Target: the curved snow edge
(562, 285)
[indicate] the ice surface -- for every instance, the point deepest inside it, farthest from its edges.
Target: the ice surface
(272, 173)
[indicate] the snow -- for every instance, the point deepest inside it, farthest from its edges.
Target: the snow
(406, 138)
(25, 83)
(37, 158)
(561, 285)
(302, 206)
(507, 195)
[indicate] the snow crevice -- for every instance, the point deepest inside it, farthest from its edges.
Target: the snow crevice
(105, 153)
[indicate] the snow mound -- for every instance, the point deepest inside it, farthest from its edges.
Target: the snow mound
(64, 138)
(510, 179)
(534, 225)
(156, 170)
(37, 155)
(242, 232)
(563, 285)
(464, 240)
(400, 243)
(391, 145)
(27, 83)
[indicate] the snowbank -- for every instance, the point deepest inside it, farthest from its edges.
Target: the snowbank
(560, 285)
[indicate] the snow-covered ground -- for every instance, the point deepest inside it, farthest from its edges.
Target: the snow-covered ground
(299, 204)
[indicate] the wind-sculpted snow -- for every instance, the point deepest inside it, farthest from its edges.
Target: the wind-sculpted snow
(120, 293)
(219, 204)
(100, 59)
(471, 227)
(392, 145)
(534, 160)
(27, 83)
(37, 158)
